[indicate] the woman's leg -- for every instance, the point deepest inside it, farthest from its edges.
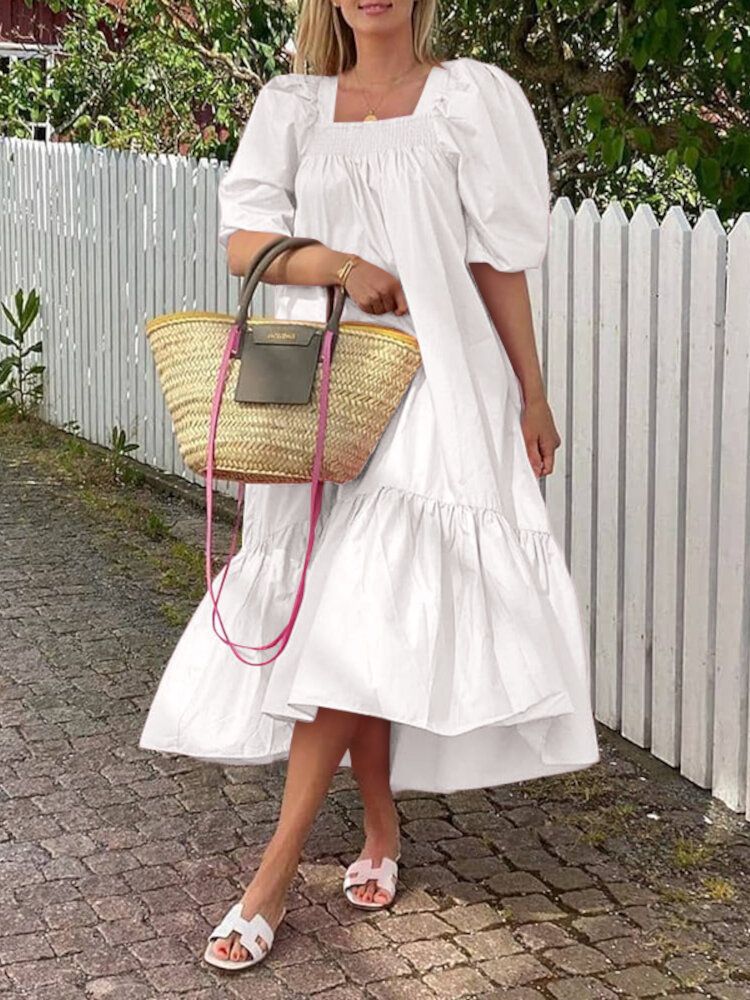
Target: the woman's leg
(370, 756)
(315, 752)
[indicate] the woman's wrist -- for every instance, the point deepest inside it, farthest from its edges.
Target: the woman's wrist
(533, 391)
(334, 263)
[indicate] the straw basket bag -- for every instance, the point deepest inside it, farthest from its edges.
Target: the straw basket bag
(300, 401)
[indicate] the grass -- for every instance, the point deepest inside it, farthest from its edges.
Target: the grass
(121, 507)
(687, 852)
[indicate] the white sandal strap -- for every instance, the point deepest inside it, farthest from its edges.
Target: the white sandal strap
(249, 930)
(358, 873)
(362, 871)
(387, 875)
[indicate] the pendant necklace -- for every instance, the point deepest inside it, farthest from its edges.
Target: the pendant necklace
(371, 109)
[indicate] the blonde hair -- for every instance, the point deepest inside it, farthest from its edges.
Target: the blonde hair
(324, 42)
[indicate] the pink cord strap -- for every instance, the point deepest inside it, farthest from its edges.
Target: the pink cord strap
(316, 496)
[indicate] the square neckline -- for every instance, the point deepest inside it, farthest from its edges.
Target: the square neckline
(332, 94)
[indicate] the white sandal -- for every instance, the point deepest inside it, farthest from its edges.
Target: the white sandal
(362, 871)
(251, 932)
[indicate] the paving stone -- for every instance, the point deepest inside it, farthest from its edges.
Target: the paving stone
(529, 859)
(347, 992)
(357, 937)
(489, 944)
(471, 918)
(72, 939)
(427, 877)
(422, 808)
(178, 978)
(693, 970)
(631, 950)
(311, 918)
(413, 901)
(426, 955)
(580, 988)
(640, 981)
(587, 901)
(460, 982)
(566, 877)
(531, 907)
(477, 868)
(413, 927)
(365, 967)
(542, 935)
(577, 959)
(311, 977)
(512, 883)
(259, 985)
(119, 988)
(729, 991)
(401, 989)
(69, 914)
(526, 816)
(630, 894)
(466, 892)
(429, 829)
(517, 993)
(24, 948)
(465, 847)
(599, 928)
(514, 970)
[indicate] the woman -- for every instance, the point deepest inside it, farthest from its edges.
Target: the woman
(439, 645)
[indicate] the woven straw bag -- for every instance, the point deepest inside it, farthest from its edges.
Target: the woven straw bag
(300, 401)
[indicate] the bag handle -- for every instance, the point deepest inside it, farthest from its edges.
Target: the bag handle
(232, 348)
(263, 257)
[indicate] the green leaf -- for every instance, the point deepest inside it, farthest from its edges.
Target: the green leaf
(690, 156)
(709, 172)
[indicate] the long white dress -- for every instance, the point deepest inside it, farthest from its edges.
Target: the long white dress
(437, 596)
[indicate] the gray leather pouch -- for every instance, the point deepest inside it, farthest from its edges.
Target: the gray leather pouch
(278, 362)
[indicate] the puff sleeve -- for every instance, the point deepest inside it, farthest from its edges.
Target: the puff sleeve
(502, 168)
(257, 190)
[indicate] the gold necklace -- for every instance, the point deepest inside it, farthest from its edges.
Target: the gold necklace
(371, 116)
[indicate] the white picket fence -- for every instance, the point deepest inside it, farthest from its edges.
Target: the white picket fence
(644, 334)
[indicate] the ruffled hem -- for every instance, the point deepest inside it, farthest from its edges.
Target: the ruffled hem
(483, 646)
(495, 643)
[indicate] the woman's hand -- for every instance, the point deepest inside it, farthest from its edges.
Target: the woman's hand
(540, 435)
(375, 290)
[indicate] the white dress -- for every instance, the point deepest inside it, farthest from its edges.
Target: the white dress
(436, 595)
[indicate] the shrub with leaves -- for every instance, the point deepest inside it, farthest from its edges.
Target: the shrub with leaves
(21, 384)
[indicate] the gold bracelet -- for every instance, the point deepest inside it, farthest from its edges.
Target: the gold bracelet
(343, 272)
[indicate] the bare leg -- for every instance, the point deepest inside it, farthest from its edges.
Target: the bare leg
(315, 752)
(370, 756)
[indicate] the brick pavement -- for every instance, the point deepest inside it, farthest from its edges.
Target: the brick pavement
(621, 880)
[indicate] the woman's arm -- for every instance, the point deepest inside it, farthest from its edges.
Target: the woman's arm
(312, 265)
(369, 286)
(506, 296)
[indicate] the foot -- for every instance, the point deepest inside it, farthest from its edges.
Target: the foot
(266, 895)
(384, 841)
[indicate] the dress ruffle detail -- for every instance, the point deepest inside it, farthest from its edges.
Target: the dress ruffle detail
(491, 644)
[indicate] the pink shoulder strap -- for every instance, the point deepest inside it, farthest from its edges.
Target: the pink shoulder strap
(316, 496)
